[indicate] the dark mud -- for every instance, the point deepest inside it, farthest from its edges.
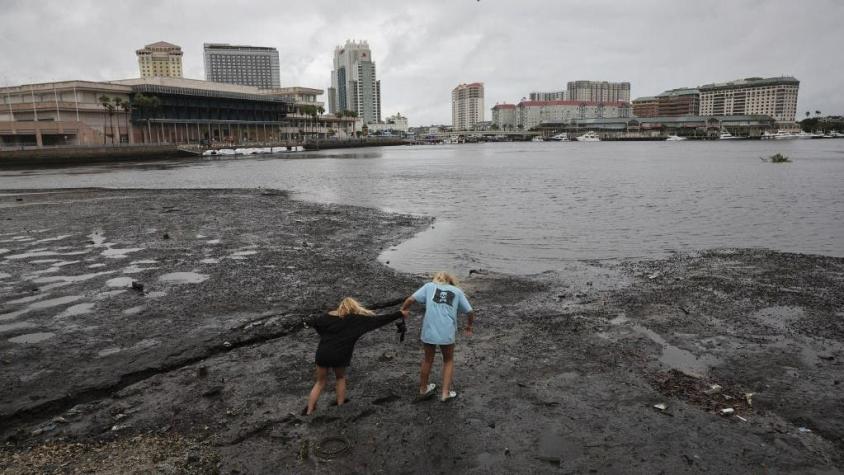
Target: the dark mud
(563, 373)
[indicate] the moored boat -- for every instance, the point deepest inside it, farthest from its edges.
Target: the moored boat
(589, 137)
(675, 138)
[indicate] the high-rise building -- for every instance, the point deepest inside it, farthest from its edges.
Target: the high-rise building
(160, 59)
(549, 96)
(354, 86)
(467, 105)
(598, 91)
(244, 65)
(776, 97)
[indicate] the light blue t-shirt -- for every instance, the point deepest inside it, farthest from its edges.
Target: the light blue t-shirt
(442, 304)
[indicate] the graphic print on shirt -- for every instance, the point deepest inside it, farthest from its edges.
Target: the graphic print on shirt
(444, 296)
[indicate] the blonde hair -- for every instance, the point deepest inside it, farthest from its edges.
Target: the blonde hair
(445, 278)
(350, 306)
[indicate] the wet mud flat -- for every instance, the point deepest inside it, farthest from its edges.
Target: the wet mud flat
(726, 361)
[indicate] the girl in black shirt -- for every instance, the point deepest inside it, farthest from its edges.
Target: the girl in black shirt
(339, 330)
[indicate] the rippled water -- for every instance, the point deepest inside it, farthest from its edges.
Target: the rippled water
(528, 207)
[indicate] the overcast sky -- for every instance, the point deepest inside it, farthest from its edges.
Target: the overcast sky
(423, 49)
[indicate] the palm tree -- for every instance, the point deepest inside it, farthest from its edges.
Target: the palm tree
(808, 114)
(108, 110)
(817, 113)
(126, 106)
(148, 106)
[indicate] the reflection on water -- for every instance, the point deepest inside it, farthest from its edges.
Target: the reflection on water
(528, 207)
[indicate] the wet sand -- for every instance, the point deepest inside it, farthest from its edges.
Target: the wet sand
(204, 364)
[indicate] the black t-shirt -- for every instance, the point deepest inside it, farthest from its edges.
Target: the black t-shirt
(337, 336)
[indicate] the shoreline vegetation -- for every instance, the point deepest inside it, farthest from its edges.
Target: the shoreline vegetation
(160, 331)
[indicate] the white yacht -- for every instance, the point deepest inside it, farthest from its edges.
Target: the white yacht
(675, 138)
(589, 137)
(727, 136)
(779, 135)
(803, 135)
(563, 137)
(538, 138)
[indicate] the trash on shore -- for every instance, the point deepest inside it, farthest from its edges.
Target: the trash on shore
(661, 406)
(708, 395)
(804, 430)
(654, 275)
(713, 389)
(727, 411)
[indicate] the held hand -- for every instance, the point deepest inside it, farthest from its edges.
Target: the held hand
(404, 313)
(469, 331)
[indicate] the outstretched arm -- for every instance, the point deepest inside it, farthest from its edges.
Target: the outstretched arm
(367, 324)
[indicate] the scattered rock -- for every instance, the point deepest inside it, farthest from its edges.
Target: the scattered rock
(137, 286)
(202, 372)
(213, 391)
(165, 236)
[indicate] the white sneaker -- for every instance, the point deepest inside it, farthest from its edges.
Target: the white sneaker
(451, 395)
(428, 394)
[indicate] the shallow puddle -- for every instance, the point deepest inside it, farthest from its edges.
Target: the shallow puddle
(134, 310)
(78, 309)
(54, 302)
(108, 351)
(672, 356)
(32, 338)
(27, 255)
(119, 282)
(136, 270)
(16, 326)
(183, 278)
(71, 278)
(120, 253)
(31, 298)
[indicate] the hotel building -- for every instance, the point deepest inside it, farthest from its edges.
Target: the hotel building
(673, 103)
(354, 85)
(598, 91)
(504, 116)
(160, 59)
(244, 65)
(776, 97)
(533, 113)
(467, 105)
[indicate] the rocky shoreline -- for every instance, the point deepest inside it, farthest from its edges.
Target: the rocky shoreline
(724, 360)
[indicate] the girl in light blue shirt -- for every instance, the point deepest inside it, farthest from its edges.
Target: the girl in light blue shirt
(443, 302)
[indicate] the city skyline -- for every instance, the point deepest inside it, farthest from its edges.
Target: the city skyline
(425, 48)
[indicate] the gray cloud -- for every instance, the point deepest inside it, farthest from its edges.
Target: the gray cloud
(424, 48)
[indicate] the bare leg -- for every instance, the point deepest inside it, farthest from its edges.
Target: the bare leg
(448, 367)
(340, 385)
(425, 371)
(320, 376)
